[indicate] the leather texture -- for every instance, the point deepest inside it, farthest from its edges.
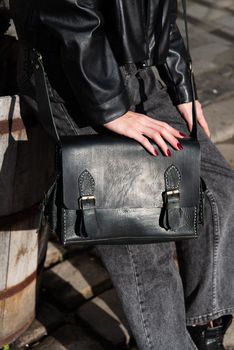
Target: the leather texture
(124, 188)
(89, 40)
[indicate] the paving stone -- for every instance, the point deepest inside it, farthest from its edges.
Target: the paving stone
(105, 316)
(204, 56)
(198, 36)
(202, 12)
(213, 88)
(69, 337)
(226, 59)
(47, 320)
(76, 280)
(227, 4)
(55, 253)
(227, 150)
(226, 21)
(220, 118)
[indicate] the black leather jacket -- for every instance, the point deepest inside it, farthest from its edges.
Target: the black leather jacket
(91, 38)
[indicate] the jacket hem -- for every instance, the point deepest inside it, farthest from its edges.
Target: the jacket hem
(110, 110)
(181, 94)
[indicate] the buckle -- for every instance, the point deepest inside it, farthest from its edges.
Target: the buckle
(168, 195)
(83, 199)
(172, 192)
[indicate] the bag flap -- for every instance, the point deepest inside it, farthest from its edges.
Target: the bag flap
(125, 175)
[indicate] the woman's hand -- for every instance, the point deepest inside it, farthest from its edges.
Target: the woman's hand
(185, 110)
(139, 126)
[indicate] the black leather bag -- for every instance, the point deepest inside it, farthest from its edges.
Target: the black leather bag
(110, 190)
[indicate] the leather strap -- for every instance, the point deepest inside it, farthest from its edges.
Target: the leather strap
(87, 203)
(192, 79)
(172, 210)
(43, 100)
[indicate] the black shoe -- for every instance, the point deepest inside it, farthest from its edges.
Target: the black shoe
(210, 338)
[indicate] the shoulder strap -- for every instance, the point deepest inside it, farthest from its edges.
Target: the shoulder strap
(42, 96)
(44, 105)
(192, 79)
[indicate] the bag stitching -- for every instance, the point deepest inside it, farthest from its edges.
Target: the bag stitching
(169, 170)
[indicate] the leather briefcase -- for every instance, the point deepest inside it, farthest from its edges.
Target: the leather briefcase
(110, 190)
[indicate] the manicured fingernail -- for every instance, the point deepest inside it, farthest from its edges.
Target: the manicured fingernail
(169, 153)
(155, 152)
(182, 134)
(179, 145)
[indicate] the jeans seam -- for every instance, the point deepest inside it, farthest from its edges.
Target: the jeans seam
(136, 274)
(216, 243)
(216, 239)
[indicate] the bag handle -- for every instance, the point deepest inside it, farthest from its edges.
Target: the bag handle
(43, 101)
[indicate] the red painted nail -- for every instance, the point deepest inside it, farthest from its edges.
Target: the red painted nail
(182, 134)
(169, 153)
(179, 145)
(155, 152)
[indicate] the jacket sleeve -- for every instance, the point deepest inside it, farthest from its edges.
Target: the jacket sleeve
(86, 57)
(175, 70)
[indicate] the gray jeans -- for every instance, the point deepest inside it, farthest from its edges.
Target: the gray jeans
(158, 298)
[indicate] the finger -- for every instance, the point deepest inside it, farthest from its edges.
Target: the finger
(189, 121)
(173, 131)
(202, 121)
(166, 135)
(170, 138)
(145, 143)
(157, 138)
(156, 124)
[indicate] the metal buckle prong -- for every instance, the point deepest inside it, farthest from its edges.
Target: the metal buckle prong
(85, 198)
(171, 192)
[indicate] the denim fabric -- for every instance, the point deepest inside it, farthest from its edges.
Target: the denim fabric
(158, 299)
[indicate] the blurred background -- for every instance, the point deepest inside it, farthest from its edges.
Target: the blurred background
(77, 307)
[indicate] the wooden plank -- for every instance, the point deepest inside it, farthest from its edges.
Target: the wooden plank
(19, 260)
(18, 312)
(10, 109)
(4, 254)
(22, 255)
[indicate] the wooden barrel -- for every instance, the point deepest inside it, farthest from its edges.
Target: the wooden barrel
(26, 172)
(22, 253)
